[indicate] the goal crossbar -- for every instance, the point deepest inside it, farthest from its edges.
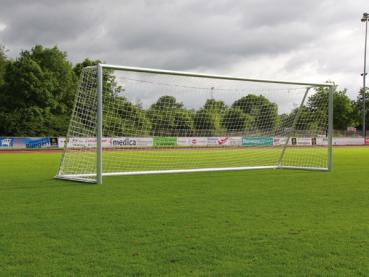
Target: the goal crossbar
(209, 76)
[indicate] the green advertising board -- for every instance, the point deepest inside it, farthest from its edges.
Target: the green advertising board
(257, 141)
(165, 141)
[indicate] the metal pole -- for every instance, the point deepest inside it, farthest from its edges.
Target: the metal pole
(99, 116)
(330, 128)
(364, 77)
(295, 120)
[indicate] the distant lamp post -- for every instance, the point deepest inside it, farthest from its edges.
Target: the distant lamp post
(365, 19)
(212, 93)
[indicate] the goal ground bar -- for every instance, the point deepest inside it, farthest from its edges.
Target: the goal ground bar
(83, 177)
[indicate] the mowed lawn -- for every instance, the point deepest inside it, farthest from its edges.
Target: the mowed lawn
(244, 223)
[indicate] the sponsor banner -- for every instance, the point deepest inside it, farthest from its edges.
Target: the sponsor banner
(224, 141)
(257, 141)
(279, 141)
(36, 142)
(348, 141)
(300, 141)
(192, 141)
(83, 142)
(131, 142)
(165, 141)
(29, 143)
(6, 142)
(366, 141)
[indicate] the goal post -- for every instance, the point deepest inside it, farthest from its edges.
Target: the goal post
(133, 121)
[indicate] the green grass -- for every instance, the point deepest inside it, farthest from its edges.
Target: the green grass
(257, 223)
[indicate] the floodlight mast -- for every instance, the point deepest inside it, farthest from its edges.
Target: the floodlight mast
(365, 19)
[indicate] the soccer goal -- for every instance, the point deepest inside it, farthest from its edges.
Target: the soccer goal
(129, 120)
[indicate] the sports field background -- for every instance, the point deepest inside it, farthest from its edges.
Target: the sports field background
(259, 223)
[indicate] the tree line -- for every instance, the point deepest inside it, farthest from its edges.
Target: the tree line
(37, 91)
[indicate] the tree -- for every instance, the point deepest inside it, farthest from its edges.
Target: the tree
(40, 85)
(343, 116)
(264, 112)
(170, 118)
(215, 106)
(123, 118)
(235, 120)
(3, 63)
(358, 109)
(207, 120)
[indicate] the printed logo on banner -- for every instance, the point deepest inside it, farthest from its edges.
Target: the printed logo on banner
(257, 141)
(366, 140)
(165, 141)
(222, 141)
(192, 141)
(6, 142)
(54, 142)
(127, 142)
(293, 141)
(217, 140)
(304, 141)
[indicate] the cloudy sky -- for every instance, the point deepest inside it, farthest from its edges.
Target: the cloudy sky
(301, 40)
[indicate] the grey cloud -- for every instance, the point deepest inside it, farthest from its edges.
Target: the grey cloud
(186, 35)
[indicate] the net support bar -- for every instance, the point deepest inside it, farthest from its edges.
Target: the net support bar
(99, 124)
(330, 128)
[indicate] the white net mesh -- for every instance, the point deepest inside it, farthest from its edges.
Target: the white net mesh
(157, 122)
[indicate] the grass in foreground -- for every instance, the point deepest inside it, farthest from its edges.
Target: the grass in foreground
(260, 223)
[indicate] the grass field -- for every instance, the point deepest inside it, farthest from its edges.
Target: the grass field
(256, 223)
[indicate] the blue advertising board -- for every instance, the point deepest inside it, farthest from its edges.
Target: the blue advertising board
(29, 143)
(6, 142)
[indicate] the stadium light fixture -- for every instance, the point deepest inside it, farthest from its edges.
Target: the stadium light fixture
(365, 19)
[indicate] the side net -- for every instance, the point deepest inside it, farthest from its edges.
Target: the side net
(156, 123)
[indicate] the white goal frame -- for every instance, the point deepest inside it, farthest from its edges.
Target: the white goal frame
(99, 125)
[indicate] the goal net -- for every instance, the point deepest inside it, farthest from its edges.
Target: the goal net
(139, 121)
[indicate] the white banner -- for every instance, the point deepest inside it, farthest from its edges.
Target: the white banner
(83, 142)
(348, 141)
(192, 141)
(131, 142)
(224, 141)
(300, 141)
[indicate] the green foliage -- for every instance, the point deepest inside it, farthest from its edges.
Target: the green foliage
(38, 93)
(235, 119)
(3, 63)
(124, 119)
(343, 115)
(169, 118)
(207, 120)
(358, 109)
(264, 112)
